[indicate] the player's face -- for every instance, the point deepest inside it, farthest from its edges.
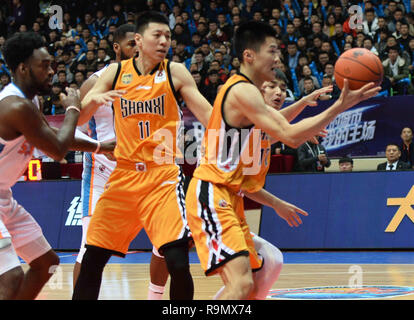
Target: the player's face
(40, 71)
(274, 93)
(127, 47)
(155, 41)
(267, 59)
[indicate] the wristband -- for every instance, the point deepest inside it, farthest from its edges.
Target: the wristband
(98, 147)
(73, 107)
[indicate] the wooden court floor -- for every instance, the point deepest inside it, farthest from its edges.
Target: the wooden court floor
(130, 281)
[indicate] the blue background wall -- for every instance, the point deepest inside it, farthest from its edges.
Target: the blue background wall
(346, 210)
(51, 203)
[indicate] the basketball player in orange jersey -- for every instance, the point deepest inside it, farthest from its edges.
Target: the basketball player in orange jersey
(146, 188)
(235, 146)
(274, 94)
(97, 169)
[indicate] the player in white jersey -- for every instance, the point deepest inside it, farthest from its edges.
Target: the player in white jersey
(22, 128)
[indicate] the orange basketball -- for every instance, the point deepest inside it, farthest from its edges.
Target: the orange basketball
(360, 66)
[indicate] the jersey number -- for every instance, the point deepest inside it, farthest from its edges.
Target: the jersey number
(144, 129)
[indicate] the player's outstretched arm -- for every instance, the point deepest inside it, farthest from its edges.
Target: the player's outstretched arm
(285, 210)
(293, 110)
(186, 86)
(99, 94)
(250, 103)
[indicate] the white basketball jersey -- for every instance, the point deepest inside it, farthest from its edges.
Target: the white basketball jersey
(101, 128)
(14, 154)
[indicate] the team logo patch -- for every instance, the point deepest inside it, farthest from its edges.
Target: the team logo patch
(126, 78)
(341, 292)
(160, 76)
(102, 168)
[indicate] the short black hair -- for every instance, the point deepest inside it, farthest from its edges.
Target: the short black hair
(280, 75)
(345, 160)
(146, 17)
(393, 144)
(122, 30)
(20, 47)
(251, 35)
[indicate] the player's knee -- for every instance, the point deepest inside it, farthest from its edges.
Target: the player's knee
(244, 286)
(177, 260)
(46, 262)
(277, 262)
(96, 257)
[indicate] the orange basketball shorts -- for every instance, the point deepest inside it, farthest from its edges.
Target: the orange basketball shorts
(218, 226)
(137, 196)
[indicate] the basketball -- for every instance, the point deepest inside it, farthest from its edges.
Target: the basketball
(360, 66)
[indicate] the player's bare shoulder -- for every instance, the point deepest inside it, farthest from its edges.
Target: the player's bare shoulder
(243, 93)
(179, 74)
(14, 109)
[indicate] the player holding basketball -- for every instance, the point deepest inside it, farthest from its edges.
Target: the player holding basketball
(222, 237)
(274, 94)
(23, 128)
(141, 192)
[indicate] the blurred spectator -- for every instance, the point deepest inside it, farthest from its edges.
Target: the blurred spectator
(210, 90)
(306, 72)
(381, 42)
(346, 164)
(79, 78)
(370, 23)
(329, 25)
(393, 153)
(396, 70)
(397, 16)
(215, 33)
(4, 80)
(405, 37)
(215, 65)
(90, 61)
(308, 86)
(313, 157)
(61, 66)
(19, 16)
(407, 146)
(326, 82)
(198, 80)
(368, 44)
(224, 26)
(292, 56)
(61, 79)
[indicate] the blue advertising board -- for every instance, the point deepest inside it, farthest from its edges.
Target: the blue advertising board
(365, 210)
(57, 207)
(365, 129)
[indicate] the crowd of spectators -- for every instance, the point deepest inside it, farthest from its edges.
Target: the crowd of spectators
(310, 34)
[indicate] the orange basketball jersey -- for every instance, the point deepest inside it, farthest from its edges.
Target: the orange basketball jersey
(147, 116)
(235, 157)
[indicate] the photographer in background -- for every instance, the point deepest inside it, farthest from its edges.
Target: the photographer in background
(312, 157)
